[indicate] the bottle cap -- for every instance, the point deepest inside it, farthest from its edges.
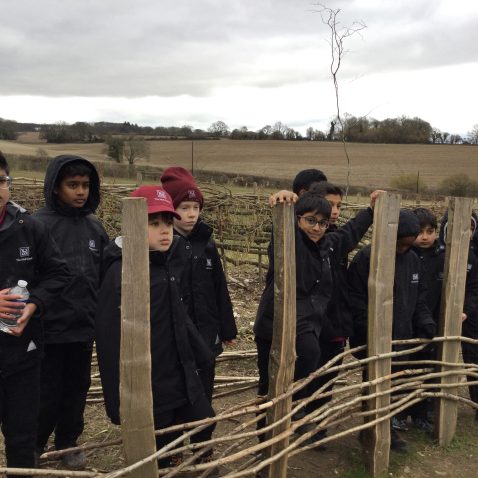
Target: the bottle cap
(22, 283)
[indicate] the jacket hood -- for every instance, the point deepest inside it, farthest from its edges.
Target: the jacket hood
(444, 229)
(51, 176)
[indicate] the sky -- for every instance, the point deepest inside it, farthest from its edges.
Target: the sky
(245, 62)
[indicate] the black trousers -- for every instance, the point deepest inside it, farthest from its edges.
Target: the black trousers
(307, 347)
(19, 399)
(65, 380)
(200, 409)
(470, 355)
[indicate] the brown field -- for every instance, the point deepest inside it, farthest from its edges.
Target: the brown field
(371, 165)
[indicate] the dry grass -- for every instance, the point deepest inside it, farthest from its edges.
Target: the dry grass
(371, 165)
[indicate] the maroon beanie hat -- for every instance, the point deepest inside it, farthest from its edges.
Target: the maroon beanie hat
(157, 199)
(180, 184)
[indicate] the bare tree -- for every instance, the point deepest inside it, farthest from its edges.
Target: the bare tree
(473, 135)
(338, 35)
(136, 148)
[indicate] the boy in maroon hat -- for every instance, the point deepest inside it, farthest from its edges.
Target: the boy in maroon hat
(205, 291)
(177, 350)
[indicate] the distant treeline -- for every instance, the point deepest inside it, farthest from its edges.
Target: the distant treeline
(403, 130)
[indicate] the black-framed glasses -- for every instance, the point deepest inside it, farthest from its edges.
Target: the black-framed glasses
(313, 221)
(5, 182)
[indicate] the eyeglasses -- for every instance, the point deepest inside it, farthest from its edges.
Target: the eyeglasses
(5, 182)
(313, 221)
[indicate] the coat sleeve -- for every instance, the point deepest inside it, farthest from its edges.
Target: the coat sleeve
(470, 307)
(52, 270)
(423, 322)
(228, 329)
(357, 282)
(108, 338)
(347, 237)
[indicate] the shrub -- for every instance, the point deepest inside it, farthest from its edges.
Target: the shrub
(459, 185)
(409, 182)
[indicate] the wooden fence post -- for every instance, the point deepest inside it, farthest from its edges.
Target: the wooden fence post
(380, 317)
(282, 355)
(136, 399)
(453, 294)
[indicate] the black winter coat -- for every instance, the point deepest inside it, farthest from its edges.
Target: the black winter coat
(314, 281)
(81, 239)
(28, 252)
(411, 315)
(177, 350)
(205, 289)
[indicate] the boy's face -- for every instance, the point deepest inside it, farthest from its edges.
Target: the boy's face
(404, 244)
(4, 189)
(73, 190)
(335, 200)
(189, 212)
(426, 238)
(314, 225)
(160, 232)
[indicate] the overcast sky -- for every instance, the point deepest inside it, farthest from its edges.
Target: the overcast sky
(245, 62)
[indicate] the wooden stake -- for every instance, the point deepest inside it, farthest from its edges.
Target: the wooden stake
(380, 317)
(453, 295)
(136, 399)
(282, 355)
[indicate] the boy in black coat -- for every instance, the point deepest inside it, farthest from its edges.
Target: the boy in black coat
(205, 288)
(176, 347)
(72, 195)
(470, 308)
(27, 252)
(411, 315)
(317, 255)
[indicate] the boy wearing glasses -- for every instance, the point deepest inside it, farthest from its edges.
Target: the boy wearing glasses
(27, 252)
(317, 255)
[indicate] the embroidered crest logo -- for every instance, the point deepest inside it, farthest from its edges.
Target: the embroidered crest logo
(191, 194)
(415, 277)
(160, 194)
(92, 244)
(24, 251)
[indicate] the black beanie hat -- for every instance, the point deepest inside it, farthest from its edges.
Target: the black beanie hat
(408, 224)
(306, 177)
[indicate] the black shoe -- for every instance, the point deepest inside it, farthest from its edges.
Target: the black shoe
(399, 424)
(423, 425)
(308, 427)
(397, 443)
(75, 460)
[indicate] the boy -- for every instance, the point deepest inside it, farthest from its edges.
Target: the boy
(177, 390)
(411, 315)
(27, 252)
(317, 254)
(470, 308)
(72, 195)
(301, 184)
(205, 289)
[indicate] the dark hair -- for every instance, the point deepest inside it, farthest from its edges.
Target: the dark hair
(426, 217)
(164, 215)
(4, 163)
(322, 188)
(306, 177)
(74, 168)
(312, 202)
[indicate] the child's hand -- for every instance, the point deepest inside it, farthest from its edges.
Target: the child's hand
(283, 196)
(228, 343)
(8, 306)
(463, 317)
(374, 196)
(22, 321)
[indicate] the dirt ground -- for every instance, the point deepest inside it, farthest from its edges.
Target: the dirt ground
(341, 458)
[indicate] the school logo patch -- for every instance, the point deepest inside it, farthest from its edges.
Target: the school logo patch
(24, 251)
(92, 244)
(191, 194)
(160, 194)
(415, 278)
(468, 267)
(208, 263)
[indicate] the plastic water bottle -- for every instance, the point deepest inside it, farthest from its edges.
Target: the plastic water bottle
(19, 289)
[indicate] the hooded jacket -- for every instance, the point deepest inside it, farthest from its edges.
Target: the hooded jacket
(470, 306)
(81, 239)
(177, 349)
(205, 289)
(28, 252)
(314, 281)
